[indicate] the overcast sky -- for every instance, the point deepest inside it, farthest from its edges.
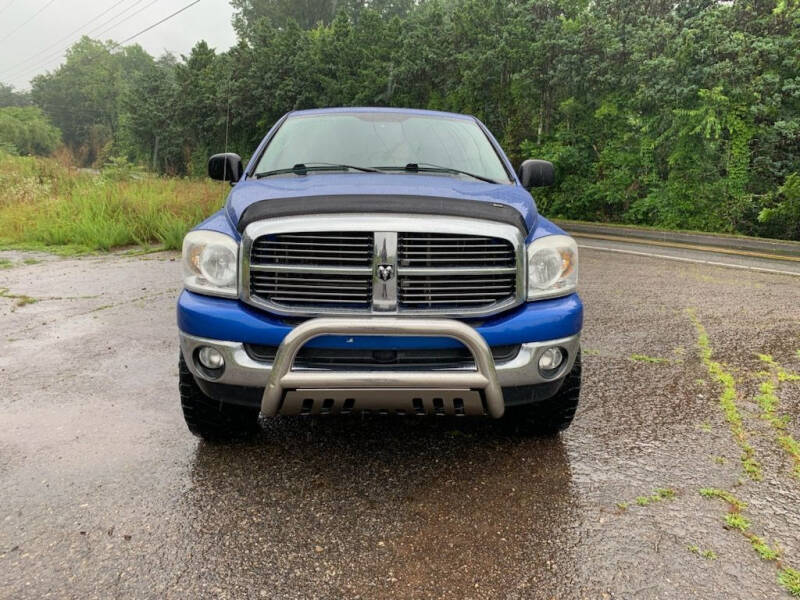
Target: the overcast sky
(25, 53)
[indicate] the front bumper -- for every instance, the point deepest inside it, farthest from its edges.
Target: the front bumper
(243, 373)
(229, 325)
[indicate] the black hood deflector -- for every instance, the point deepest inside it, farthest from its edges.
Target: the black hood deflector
(378, 203)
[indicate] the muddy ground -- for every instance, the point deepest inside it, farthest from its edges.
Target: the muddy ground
(105, 494)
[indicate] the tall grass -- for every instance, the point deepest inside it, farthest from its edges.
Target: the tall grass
(46, 204)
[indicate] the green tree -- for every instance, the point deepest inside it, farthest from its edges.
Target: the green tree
(10, 97)
(783, 218)
(25, 130)
(306, 13)
(82, 96)
(151, 130)
(669, 113)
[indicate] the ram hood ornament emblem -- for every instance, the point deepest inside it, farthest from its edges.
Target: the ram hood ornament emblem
(385, 272)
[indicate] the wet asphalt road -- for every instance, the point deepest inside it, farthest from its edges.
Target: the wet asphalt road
(104, 494)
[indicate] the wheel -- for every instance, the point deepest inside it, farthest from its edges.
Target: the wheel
(209, 419)
(549, 417)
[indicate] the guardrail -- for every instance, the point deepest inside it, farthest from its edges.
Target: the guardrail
(708, 241)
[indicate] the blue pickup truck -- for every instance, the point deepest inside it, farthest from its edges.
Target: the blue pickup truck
(378, 260)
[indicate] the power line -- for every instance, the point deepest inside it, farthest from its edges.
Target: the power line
(128, 18)
(32, 17)
(59, 53)
(69, 35)
(145, 30)
(119, 14)
(116, 45)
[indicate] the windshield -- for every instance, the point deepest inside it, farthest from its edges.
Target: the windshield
(383, 140)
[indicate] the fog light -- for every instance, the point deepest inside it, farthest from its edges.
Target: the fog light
(551, 359)
(210, 358)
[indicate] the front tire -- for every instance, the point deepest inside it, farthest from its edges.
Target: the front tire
(209, 419)
(551, 416)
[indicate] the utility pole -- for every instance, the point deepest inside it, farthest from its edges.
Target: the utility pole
(155, 154)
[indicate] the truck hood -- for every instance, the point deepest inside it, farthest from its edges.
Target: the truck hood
(248, 192)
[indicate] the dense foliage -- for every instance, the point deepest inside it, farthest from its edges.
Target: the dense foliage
(25, 130)
(678, 114)
(11, 97)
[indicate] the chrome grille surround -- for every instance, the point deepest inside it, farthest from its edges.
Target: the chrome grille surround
(396, 281)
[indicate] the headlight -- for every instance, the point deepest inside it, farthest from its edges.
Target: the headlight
(552, 267)
(210, 261)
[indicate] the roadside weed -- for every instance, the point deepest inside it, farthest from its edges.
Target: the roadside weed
(790, 579)
(59, 207)
(737, 521)
(763, 549)
(657, 496)
(21, 299)
(707, 554)
(727, 399)
(766, 358)
(648, 359)
(767, 399)
(724, 495)
(782, 374)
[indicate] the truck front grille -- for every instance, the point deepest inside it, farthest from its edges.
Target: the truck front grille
(328, 248)
(449, 291)
(491, 279)
(444, 250)
(375, 269)
(319, 269)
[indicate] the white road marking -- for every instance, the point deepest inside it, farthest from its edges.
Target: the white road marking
(690, 260)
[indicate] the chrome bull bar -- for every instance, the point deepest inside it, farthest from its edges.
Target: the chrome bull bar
(329, 386)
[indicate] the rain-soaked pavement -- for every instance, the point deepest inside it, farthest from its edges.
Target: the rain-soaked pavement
(104, 494)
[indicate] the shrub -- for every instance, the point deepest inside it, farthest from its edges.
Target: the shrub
(27, 131)
(783, 217)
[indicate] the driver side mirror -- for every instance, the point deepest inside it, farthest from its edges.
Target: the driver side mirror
(225, 167)
(536, 173)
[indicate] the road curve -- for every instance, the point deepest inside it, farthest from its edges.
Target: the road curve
(721, 258)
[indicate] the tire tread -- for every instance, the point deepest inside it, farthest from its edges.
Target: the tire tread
(209, 419)
(550, 417)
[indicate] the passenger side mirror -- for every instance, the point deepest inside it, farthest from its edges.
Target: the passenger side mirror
(225, 167)
(536, 173)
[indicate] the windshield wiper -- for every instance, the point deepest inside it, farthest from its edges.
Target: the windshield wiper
(431, 168)
(304, 168)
